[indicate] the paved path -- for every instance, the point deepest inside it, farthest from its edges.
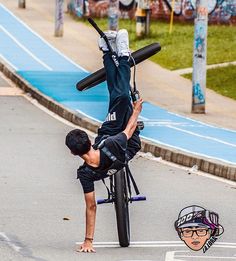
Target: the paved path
(212, 66)
(162, 87)
(55, 75)
(39, 188)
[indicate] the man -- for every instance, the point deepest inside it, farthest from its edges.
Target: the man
(119, 133)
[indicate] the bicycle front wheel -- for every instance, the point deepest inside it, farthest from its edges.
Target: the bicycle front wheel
(122, 208)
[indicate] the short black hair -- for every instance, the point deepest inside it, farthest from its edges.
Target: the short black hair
(78, 142)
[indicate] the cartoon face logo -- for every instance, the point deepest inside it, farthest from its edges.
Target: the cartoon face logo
(198, 227)
(195, 237)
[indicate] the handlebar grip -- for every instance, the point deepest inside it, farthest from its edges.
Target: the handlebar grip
(92, 22)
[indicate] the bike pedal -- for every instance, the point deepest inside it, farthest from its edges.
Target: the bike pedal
(138, 198)
(104, 201)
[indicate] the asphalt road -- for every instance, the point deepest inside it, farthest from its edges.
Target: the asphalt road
(38, 188)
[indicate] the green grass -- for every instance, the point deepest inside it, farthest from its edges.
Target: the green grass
(221, 80)
(177, 48)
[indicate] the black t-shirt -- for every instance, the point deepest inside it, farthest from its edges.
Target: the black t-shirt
(87, 174)
(117, 145)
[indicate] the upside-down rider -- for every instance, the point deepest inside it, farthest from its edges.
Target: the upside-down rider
(119, 133)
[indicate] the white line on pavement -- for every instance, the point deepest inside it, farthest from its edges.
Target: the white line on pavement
(170, 256)
(189, 151)
(200, 122)
(212, 66)
(155, 244)
(25, 49)
(208, 257)
(11, 244)
(41, 38)
(88, 116)
(116, 244)
(202, 136)
(4, 59)
(196, 134)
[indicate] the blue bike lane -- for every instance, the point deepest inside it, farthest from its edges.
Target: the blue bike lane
(55, 75)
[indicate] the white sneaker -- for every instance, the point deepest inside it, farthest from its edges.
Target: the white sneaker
(111, 35)
(122, 43)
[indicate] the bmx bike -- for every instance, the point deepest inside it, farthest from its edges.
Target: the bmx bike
(120, 194)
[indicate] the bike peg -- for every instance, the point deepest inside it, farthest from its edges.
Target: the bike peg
(104, 201)
(138, 198)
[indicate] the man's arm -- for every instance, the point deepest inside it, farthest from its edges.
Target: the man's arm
(91, 207)
(132, 123)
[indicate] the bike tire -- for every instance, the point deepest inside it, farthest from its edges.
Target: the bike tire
(100, 75)
(122, 208)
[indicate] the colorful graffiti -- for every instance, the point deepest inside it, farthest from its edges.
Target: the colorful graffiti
(198, 94)
(220, 11)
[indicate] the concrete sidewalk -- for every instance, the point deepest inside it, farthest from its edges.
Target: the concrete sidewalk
(156, 84)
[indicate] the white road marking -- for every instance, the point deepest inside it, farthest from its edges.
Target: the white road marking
(25, 49)
(41, 38)
(212, 66)
(202, 136)
(195, 134)
(170, 256)
(189, 151)
(154, 244)
(88, 116)
(207, 257)
(201, 123)
(9, 242)
(132, 245)
(5, 60)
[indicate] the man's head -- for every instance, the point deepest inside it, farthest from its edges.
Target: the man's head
(78, 142)
(192, 227)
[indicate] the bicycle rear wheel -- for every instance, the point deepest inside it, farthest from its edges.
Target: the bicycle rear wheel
(122, 208)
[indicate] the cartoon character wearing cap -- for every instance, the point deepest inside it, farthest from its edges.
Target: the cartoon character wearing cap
(198, 228)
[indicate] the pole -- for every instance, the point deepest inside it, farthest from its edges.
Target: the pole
(199, 57)
(143, 18)
(113, 15)
(140, 22)
(21, 3)
(59, 18)
(172, 16)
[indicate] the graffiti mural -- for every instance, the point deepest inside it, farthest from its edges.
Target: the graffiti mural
(220, 11)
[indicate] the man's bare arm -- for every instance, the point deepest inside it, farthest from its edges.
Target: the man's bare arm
(90, 201)
(132, 123)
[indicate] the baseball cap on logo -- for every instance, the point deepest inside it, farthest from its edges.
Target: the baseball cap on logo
(192, 216)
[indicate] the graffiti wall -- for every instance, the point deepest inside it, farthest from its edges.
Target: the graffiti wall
(220, 11)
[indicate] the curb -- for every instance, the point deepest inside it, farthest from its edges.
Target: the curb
(215, 167)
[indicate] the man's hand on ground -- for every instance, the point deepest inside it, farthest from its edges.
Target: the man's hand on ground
(86, 247)
(137, 105)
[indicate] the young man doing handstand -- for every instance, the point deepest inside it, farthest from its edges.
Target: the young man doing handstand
(119, 132)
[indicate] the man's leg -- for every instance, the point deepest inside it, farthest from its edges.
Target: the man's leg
(120, 107)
